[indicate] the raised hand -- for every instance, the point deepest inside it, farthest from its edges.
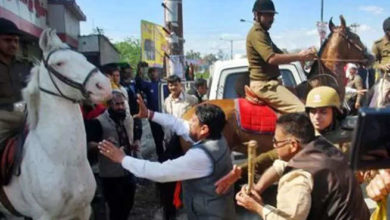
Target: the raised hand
(143, 110)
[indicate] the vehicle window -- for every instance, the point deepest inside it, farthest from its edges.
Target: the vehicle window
(233, 83)
(288, 78)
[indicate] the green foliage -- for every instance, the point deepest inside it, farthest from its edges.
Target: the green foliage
(130, 51)
(204, 75)
(210, 58)
(192, 55)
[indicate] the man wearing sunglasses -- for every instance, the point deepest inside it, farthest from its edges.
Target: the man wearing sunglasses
(315, 181)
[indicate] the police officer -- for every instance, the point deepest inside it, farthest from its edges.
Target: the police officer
(264, 57)
(323, 106)
(381, 49)
(13, 75)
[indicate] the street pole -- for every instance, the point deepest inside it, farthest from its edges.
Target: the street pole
(231, 46)
(322, 25)
(231, 49)
(173, 19)
(322, 10)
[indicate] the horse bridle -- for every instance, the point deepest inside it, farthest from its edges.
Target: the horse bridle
(347, 38)
(66, 80)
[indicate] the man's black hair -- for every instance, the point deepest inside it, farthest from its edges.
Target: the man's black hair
(109, 68)
(212, 116)
(140, 65)
(151, 70)
(124, 66)
(173, 79)
(200, 82)
(297, 125)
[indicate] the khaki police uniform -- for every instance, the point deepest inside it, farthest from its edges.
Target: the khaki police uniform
(381, 51)
(264, 76)
(13, 78)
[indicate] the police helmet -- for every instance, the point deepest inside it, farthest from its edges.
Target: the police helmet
(386, 24)
(264, 6)
(323, 96)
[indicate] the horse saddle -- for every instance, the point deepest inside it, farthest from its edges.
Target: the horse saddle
(254, 117)
(252, 97)
(11, 156)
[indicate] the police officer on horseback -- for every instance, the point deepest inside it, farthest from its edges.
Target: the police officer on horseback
(378, 95)
(13, 75)
(264, 57)
(381, 49)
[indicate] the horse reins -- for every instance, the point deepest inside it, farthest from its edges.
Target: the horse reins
(64, 79)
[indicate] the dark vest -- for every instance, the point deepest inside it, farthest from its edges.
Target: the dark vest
(336, 193)
(107, 168)
(200, 199)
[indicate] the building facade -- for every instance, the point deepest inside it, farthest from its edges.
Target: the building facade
(98, 49)
(33, 16)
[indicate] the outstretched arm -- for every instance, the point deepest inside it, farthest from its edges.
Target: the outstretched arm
(168, 121)
(194, 164)
(266, 180)
(304, 55)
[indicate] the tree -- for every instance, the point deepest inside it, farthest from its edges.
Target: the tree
(210, 58)
(221, 55)
(192, 55)
(130, 51)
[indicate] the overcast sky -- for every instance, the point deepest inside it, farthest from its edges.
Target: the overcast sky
(206, 22)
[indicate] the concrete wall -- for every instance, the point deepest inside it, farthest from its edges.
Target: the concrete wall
(89, 43)
(72, 25)
(31, 20)
(107, 53)
(98, 45)
(56, 17)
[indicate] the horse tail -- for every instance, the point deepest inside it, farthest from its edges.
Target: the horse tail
(31, 96)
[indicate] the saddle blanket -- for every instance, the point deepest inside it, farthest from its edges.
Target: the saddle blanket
(260, 119)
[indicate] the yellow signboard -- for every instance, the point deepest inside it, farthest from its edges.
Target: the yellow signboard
(153, 43)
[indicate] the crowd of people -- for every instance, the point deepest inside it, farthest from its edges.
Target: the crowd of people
(115, 123)
(314, 179)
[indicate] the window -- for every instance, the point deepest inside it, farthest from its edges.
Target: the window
(235, 83)
(288, 78)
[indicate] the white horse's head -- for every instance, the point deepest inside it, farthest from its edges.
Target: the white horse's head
(76, 78)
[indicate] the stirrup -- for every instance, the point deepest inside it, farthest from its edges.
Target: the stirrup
(252, 97)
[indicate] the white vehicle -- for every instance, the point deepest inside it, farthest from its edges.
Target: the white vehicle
(224, 75)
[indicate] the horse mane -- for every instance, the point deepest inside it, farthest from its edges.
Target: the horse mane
(48, 41)
(314, 66)
(31, 96)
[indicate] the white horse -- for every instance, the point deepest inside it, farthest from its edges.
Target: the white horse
(56, 181)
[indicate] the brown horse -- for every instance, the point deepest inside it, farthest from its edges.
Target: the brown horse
(342, 46)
